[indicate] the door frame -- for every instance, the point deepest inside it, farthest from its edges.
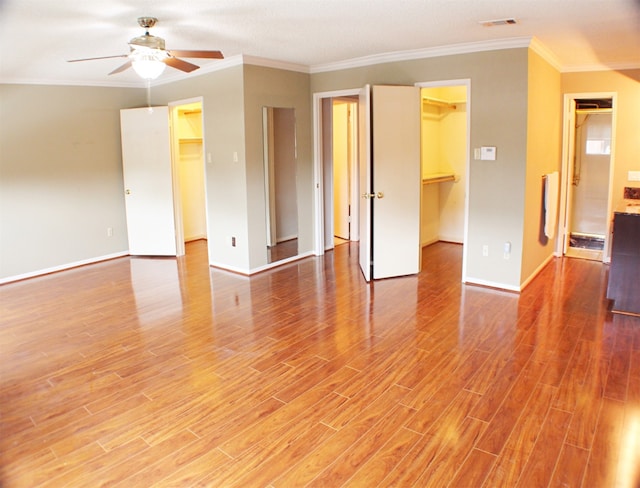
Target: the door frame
(568, 149)
(175, 172)
(318, 168)
(467, 83)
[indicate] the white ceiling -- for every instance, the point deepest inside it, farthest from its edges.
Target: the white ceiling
(38, 36)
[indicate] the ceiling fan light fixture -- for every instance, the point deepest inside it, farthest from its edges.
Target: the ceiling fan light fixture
(148, 63)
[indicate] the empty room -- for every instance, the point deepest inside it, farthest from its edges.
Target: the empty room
(357, 243)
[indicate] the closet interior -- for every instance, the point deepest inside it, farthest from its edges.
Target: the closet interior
(187, 126)
(444, 161)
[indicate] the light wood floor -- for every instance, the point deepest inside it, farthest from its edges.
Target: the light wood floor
(157, 372)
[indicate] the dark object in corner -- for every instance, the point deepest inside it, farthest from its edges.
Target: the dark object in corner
(631, 193)
(624, 285)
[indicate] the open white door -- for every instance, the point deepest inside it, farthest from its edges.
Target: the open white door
(146, 161)
(396, 180)
(570, 149)
(390, 181)
(366, 204)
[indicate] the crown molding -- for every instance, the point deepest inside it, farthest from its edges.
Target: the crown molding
(448, 50)
(230, 62)
(600, 67)
(431, 52)
(272, 63)
(545, 53)
(40, 81)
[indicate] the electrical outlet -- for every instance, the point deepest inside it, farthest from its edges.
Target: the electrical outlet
(485, 250)
(109, 231)
(507, 250)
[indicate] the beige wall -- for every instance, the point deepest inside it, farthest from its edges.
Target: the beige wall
(544, 133)
(60, 175)
(269, 87)
(222, 94)
(232, 116)
(626, 153)
(61, 184)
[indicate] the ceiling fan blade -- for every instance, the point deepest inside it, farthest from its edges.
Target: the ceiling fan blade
(181, 65)
(182, 53)
(125, 66)
(101, 57)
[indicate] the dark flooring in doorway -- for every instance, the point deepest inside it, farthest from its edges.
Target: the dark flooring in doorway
(587, 242)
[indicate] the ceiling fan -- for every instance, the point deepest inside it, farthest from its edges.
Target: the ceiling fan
(148, 55)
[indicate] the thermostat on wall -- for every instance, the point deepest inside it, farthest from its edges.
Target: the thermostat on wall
(488, 153)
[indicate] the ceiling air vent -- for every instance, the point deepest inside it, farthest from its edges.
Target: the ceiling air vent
(492, 23)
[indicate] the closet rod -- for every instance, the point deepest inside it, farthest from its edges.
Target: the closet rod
(439, 103)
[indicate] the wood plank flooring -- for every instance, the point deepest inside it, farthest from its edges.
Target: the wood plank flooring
(164, 372)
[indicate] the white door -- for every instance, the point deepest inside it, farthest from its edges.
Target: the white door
(366, 204)
(390, 181)
(571, 128)
(148, 182)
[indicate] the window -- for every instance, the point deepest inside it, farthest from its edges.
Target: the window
(598, 140)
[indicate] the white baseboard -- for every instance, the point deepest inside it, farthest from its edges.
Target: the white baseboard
(491, 284)
(286, 238)
(451, 239)
(536, 271)
(429, 242)
(62, 267)
(252, 271)
(502, 286)
(195, 238)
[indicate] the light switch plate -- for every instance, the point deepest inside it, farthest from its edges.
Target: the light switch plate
(488, 153)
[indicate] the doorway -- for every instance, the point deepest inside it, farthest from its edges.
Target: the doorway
(336, 156)
(444, 158)
(587, 160)
(323, 151)
(344, 155)
(445, 136)
(188, 172)
(280, 185)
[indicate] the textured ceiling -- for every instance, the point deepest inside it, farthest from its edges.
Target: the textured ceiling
(38, 36)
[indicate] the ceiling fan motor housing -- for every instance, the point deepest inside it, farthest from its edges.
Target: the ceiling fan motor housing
(147, 40)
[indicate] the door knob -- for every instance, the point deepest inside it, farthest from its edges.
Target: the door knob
(367, 196)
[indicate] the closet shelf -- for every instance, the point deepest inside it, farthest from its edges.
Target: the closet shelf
(438, 178)
(190, 140)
